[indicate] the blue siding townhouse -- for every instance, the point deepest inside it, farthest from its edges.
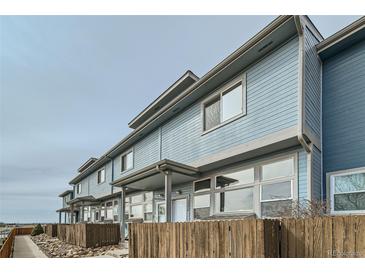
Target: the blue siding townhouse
(281, 119)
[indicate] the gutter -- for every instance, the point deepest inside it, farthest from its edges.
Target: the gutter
(341, 35)
(301, 139)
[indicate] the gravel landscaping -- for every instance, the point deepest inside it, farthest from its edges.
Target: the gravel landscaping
(54, 248)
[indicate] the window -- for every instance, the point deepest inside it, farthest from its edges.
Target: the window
(212, 114)
(278, 169)
(140, 206)
(276, 188)
(127, 161)
(228, 104)
(234, 200)
(101, 176)
(109, 211)
(278, 191)
(232, 103)
(115, 211)
(234, 191)
(78, 188)
(201, 199)
(348, 192)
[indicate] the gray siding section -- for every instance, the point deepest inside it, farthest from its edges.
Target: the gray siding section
(146, 152)
(302, 175)
(344, 109)
(272, 105)
(91, 187)
(312, 85)
(100, 190)
(316, 174)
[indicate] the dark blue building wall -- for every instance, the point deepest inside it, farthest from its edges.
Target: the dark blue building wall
(343, 102)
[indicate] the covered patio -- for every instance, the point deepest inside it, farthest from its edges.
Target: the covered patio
(163, 174)
(80, 203)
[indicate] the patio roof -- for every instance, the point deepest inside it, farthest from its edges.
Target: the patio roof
(152, 177)
(85, 200)
(65, 193)
(65, 209)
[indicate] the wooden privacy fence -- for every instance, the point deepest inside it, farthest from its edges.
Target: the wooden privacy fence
(51, 230)
(342, 236)
(89, 235)
(206, 239)
(294, 238)
(7, 248)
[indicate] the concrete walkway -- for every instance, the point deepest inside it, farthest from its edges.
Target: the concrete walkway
(25, 248)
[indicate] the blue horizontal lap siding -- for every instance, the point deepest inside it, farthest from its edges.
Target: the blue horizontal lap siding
(344, 109)
(272, 105)
(302, 176)
(103, 189)
(316, 174)
(146, 152)
(312, 84)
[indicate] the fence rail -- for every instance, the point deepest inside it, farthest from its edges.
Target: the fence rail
(89, 235)
(340, 236)
(7, 248)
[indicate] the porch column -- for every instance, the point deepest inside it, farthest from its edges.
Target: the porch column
(168, 201)
(122, 214)
(82, 213)
(105, 211)
(72, 214)
(59, 217)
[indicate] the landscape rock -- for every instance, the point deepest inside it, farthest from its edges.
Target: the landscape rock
(54, 248)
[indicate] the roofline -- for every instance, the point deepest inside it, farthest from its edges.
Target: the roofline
(276, 23)
(63, 194)
(314, 28)
(88, 161)
(341, 34)
(187, 74)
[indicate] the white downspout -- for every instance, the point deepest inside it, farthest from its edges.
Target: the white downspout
(301, 66)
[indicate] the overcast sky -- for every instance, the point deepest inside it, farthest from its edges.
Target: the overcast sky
(70, 85)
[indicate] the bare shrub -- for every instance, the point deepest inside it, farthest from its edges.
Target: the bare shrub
(306, 208)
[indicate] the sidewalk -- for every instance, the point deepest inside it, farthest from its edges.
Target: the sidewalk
(25, 248)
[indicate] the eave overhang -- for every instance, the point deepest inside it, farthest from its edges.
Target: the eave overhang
(85, 200)
(185, 81)
(65, 209)
(342, 39)
(65, 193)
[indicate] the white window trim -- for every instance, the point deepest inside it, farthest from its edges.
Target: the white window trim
(121, 160)
(241, 79)
(104, 177)
(79, 191)
(331, 181)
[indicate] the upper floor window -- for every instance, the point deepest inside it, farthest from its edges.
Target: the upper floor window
(78, 188)
(348, 192)
(127, 161)
(228, 104)
(101, 176)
